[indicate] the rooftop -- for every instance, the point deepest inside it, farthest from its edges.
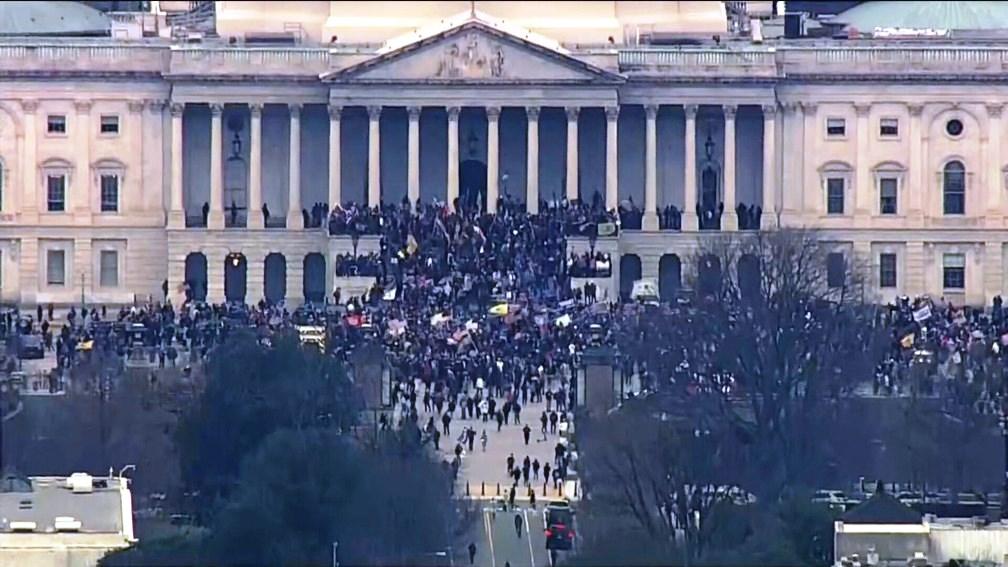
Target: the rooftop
(100, 511)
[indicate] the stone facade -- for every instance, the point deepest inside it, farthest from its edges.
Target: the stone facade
(109, 151)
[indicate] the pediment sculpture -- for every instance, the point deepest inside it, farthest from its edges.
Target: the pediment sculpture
(471, 57)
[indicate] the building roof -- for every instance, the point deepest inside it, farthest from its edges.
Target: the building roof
(882, 508)
(20, 18)
(959, 15)
(101, 511)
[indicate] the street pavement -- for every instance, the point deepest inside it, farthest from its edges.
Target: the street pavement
(497, 541)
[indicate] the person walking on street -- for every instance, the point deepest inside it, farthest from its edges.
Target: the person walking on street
(446, 422)
(535, 469)
(483, 440)
(500, 421)
(510, 463)
(526, 432)
(546, 472)
(472, 553)
(518, 524)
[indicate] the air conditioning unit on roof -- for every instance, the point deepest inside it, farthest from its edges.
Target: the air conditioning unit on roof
(80, 483)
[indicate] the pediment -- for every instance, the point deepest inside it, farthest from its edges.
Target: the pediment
(474, 53)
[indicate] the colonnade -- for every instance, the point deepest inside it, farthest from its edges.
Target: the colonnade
(215, 218)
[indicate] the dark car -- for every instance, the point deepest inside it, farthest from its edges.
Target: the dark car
(559, 520)
(30, 346)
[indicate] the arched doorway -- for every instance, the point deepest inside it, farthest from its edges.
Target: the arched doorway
(235, 277)
(669, 277)
(629, 272)
(709, 275)
(196, 276)
(749, 276)
(472, 184)
(314, 278)
(275, 274)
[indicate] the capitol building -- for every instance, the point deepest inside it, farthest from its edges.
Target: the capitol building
(182, 141)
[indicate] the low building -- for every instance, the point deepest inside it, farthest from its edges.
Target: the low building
(885, 532)
(63, 521)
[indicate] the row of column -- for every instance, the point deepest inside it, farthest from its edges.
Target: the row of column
(215, 218)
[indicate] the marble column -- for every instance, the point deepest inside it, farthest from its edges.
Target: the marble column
(914, 190)
(650, 220)
(453, 156)
(215, 275)
(335, 164)
(80, 186)
(814, 194)
(413, 159)
(255, 278)
(215, 220)
(769, 169)
(689, 217)
(493, 157)
(863, 187)
(374, 155)
(612, 158)
(730, 217)
(295, 281)
(255, 200)
(995, 178)
(176, 210)
(532, 161)
(295, 218)
(29, 165)
(572, 154)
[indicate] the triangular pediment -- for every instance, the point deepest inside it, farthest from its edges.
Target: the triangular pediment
(474, 53)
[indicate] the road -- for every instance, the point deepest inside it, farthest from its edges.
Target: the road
(498, 544)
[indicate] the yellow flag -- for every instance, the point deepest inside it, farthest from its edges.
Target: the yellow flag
(499, 310)
(907, 341)
(411, 245)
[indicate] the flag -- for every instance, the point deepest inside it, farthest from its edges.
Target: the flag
(907, 341)
(922, 314)
(499, 310)
(563, 321)
(396, 327)
(606, 229)
(411, 245)
(390, 295)
(439, 318)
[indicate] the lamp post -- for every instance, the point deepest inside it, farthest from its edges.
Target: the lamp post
(335, 554)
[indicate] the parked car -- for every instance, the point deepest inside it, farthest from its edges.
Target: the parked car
(834, 499)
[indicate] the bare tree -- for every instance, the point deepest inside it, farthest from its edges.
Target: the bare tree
(778, 333)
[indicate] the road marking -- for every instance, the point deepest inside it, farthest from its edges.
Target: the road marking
(486, 526)
(528, 532)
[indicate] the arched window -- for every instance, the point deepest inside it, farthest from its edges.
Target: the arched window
(954, 188)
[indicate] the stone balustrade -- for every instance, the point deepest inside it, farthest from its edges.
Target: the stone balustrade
(211, 61)
(703, 62)
(893, 60)
(81, 57)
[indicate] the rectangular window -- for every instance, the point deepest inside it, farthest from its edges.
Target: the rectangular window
(55, 267)
(56, 193)
(109, 124)
(108, 273)
(887, 195)
(954, 191)
(56, 124)
(836, 127)
(887, 270)
(109, 193)
(836, 269)
(889, 128)
(954, 271)
(835, 195)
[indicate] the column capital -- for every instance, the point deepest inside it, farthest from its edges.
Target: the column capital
(453, 112)
(135, 106)
(532, 112)
(374, 112)
(769, 111)
(994, 109)
(493, 112)
(809, 108)
(612, 112)
(414, 112)
(29, 105)
(572, 112)
(82, 106)
(690, 111)
(862, 108)
(335, 111)
(155, 105)
(729, 111)
(295, 110)
(177, 108)
(651, 111)
(216, 109)
(915, 108)
(255, 109)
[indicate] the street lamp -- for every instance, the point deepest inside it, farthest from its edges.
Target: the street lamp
(335, 554)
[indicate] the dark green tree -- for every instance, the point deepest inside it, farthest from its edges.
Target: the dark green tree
(250, 392)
